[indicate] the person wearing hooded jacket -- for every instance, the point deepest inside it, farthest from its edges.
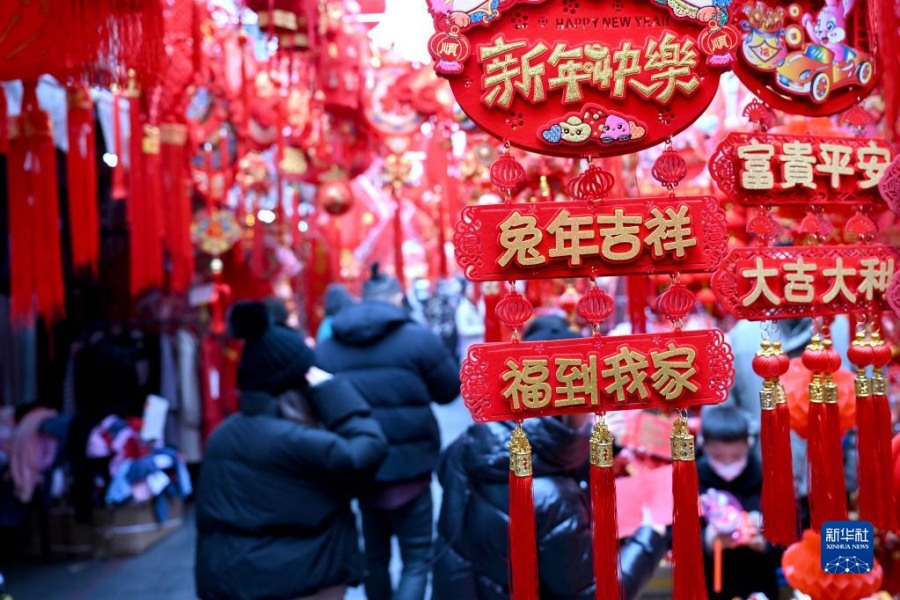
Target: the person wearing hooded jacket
(273, 500)
(400, 368)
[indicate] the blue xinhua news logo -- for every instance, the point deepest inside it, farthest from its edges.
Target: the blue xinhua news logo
(848, 547)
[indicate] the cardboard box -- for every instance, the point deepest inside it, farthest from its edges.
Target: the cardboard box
(130, 530)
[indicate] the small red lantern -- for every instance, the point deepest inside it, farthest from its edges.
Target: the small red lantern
(450, 51)
(670, 168)
(593, 184)
(507, 174)
(514, 310)
(676, 302)
(335, 197)
(802, 564)
(595, 306)
(717, 43)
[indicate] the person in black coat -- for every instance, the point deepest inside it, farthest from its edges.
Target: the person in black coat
(749, 563)
(273, 501)
(400, 368)
(472, 548)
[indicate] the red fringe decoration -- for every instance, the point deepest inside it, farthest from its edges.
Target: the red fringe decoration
(605, 522)
(785, 477)
(835, 458)
(35, 254)
(4, 122)
(177, 202)
(152, 231)
(887, 520)
(870, 488)
(770, 363)
(81, 163)
(523, 559)
(687, 550)
(779, 517)
(827, 491)
(118, 172)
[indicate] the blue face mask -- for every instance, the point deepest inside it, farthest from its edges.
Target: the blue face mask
(728, 472)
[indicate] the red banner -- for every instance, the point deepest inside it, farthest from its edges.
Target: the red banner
(767, 169)
(501, 242)
(568, 79)
(790, 282)
(518, 380)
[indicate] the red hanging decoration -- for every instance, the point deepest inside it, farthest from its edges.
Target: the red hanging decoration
(604, 520)
(676, 302)
(507, 174)
(523, 559)
(778, 501)
(669, 168)
(881, 357)
(152, 230)
(177, 202)
(827, 491)
(81, 169)
(595, 306)
(4, 123)
(594, 184)
(687, 553)
(514, 310)
(802, 565)
(118, 170)
(36, 279)
(871, 490)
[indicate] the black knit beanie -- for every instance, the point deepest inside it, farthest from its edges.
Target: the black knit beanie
(275, 358)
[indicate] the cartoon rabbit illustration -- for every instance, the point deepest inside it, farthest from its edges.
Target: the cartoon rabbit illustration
(829, 29)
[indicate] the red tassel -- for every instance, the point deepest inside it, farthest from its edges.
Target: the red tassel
(605, 522)
(687, 551)
(523, 563)
(118, 172)
(780, 521)
(36, 257)
(4, 122)
(870, 492)
(881, 357)
(81, 163)
(177, 203)
(136, 190)
(827, 490)
(151, 232)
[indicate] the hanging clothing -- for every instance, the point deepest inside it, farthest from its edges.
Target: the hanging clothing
(32, 453)
(191, 415)
(168, 387)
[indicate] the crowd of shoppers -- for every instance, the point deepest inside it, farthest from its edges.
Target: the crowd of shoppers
(350, 424)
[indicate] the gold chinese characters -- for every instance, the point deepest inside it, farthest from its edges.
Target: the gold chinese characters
(616, 238)
(796, 280)
(625, 374)
(657, 71)
(806, 165)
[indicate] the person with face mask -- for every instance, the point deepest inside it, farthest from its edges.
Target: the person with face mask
(748, 562)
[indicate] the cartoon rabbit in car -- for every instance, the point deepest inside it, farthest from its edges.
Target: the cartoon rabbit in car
(826, 62)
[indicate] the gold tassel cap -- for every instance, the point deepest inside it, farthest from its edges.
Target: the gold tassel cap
(601, 445)
(682, 441)
(520, 453)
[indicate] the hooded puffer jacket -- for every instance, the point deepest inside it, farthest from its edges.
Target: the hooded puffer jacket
(400, 368)
(472, 546)
(273, 502)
